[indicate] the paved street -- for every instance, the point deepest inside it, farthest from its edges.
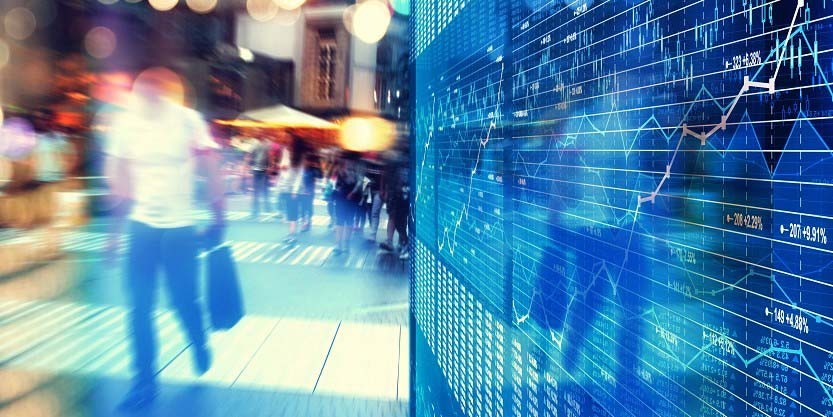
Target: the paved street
(323, 334)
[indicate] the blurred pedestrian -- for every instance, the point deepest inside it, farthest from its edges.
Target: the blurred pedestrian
(310, 177)
(347, 195)
(155, 151)
(329, 192)
(290, 186)
(373, 199)
(396, 193)
(259, 162)
(52, 150)
(364, 203)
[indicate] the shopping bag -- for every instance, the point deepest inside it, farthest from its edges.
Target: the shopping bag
(225, 301)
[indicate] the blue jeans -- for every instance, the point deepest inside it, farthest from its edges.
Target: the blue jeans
(175, 251)
(261, 191)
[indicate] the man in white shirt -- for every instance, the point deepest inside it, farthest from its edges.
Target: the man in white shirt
(155, 151)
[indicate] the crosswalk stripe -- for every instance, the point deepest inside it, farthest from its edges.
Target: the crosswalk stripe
(116, 361)
(12, 309)
(273, 253)
(315, 255)
(87, 345)
(261, 252)
(268, 250)
(54, 349)
(76, 241)
(286, 256)
(70, 240)
(300, 256)
(26, 316)
(244, 255)
(238, 247)
(37, 329)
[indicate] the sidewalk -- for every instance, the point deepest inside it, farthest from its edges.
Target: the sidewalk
(323, 335)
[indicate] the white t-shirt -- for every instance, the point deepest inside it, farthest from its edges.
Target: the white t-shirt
(161, 151)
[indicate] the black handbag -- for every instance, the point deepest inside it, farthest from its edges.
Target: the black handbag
(225, 300)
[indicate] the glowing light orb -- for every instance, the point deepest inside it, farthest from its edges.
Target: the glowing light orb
(201, 6)
(367, 134)
(290, 4)
(100, 42)
(288, 17)
(163, 5)
(20, 23)
(347, 17)
(160, 82)
(262, 10)
(371, 20)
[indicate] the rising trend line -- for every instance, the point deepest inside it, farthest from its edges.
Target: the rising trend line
(482, 143)
(747, 84)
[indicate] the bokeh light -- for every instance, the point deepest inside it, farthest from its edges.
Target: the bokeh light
(113, 87)
(402, 7)
(162, 81)
(367, 134)
(108, 2)
(20, 23)
(100, 42)
(349, 12)
(288, 17)
(5, 55)
(290, 4)
(262, 10)
(371, 20)
(163, 5)
(18, 138)
(201, 6)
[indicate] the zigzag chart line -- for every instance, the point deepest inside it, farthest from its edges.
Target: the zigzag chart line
(482, 143)
(779, 53)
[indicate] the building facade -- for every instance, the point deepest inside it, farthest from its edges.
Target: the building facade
(336, 74)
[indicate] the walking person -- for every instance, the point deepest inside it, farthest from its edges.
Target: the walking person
(155, 151)
(291, 186)
(329, 193)
(374, 199)
(396, 189)
(364, 205)
(310, 177)
(260, 164)
(347, 195)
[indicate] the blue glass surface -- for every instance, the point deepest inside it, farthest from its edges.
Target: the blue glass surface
(623, 208)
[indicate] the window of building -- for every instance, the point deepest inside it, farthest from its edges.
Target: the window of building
(327, 56)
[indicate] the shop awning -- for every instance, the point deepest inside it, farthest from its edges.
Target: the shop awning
(279, 116)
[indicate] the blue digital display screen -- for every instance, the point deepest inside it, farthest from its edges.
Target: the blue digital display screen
(623, 208)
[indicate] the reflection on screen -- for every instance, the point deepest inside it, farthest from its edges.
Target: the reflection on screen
(622, 208)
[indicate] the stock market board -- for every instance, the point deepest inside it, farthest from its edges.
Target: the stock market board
(623, 207)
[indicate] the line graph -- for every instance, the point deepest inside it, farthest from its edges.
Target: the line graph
(662, 169)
